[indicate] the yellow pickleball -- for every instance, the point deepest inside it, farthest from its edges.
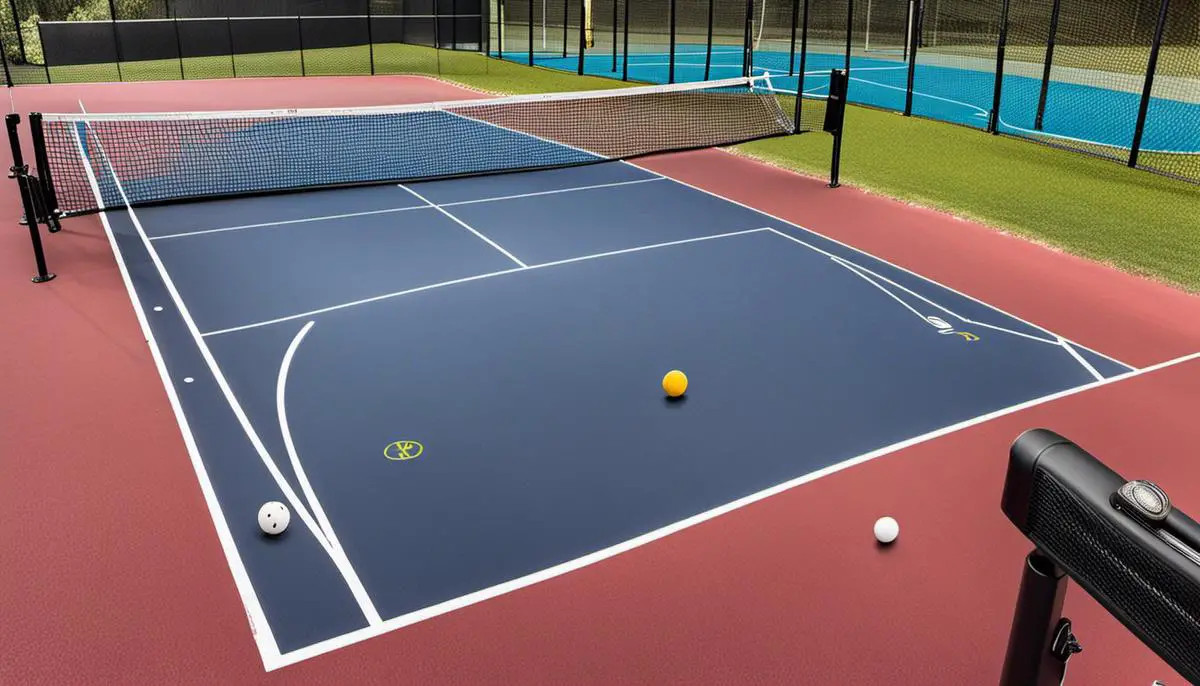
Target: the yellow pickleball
(675, 383)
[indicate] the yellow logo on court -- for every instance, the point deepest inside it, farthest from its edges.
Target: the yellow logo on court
(403, 450)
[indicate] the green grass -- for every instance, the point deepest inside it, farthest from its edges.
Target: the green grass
(1134, 220)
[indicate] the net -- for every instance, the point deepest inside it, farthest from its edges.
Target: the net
(100, 161)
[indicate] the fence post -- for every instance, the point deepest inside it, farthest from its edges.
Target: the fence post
(792, 49)
(499, 29)
(708, 43)
(1148, 86)
(1001, 41)
(45, 57)
(747, 37)
(1041, 106)
(671, 61)
(12, 4)
(800, 76)
(300, 39)
(625, 47)
(179, 49)
(582, 34)
(614, 36)
(232, 47)
(530, 23)
(566, 28)
(371, 39)
(112, 13)
(916, 15)
(4, 56)
(454, 24)
(849, 33)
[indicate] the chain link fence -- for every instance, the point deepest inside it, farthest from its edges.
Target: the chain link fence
(57, 41)
(1115, 80)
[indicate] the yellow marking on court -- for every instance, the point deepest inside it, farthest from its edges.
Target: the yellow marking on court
(403, 450)
(970, 337)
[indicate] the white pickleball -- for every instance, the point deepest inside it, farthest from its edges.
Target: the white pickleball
(886, 529)
(273, 518)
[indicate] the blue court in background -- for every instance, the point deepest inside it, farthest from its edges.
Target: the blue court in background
(455, 385)
(1075, 113)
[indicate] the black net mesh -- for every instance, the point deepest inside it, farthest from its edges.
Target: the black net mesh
(404, 44)
(517, 31)
(1171, 142)
(1094, 82)
(149, 50)
(102, 161)
(956, 63)
(267, 46)
(649, 39)
(206, 45)
(338, 45)
(80, 51)
(1156, 599)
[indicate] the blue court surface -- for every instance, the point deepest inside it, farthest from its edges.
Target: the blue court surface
(1075, 113)
(455, 385)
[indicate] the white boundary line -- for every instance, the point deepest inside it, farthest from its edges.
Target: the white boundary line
(592, 558)
(336, 556)
(878, 259)
(466, 226)
(328, 217)
(356, 586)
(479, 277)
(264, 638)
(392, 210)
(399, 109)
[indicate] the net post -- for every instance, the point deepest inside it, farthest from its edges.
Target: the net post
(835, 116)
(1148, 86)
(614, 35)
(529, 22)
(566, 39)
(300, 40)
(20, 172)
(792, 49)
(371, 38)
(625, 48)
(42, 161)
(671, 60)
(1041, 106)
(232, 49)
(708, 43)
(45, 59)
(1001, 42)
(803, 60)
(583, 8)
(849, 34)
(178, 49)
(916, 11)
(112, 15)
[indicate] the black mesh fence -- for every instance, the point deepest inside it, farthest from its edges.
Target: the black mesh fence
(172, 40)
(1118, 80)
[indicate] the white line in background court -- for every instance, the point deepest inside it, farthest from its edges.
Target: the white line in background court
(392, 210)
(466, 226)
(480, 277)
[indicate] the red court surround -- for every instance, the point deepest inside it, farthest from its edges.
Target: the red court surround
(112, 572)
